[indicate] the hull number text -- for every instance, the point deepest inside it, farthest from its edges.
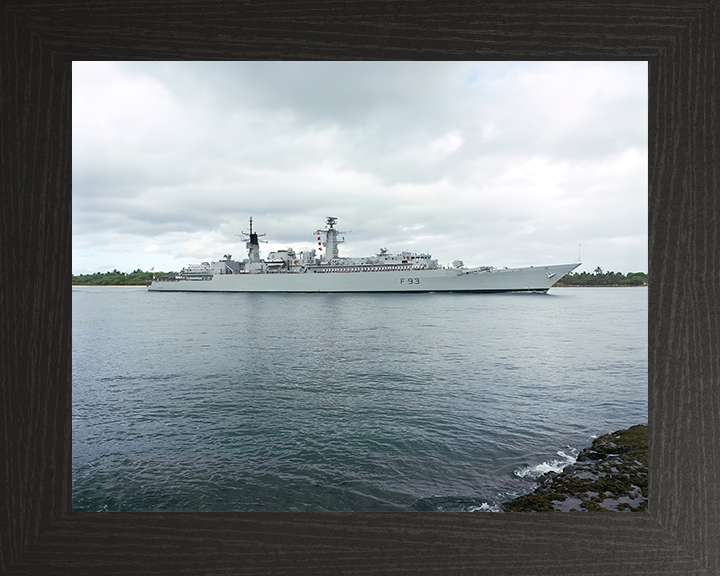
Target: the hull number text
(410, 280)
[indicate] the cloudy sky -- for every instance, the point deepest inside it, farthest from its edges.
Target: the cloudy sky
(492, 163)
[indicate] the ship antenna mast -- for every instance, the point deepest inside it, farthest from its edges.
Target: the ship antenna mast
(251, 237)
(252, 243)
(331, 237)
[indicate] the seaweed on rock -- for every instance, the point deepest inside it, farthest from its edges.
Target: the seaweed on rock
(610, 475)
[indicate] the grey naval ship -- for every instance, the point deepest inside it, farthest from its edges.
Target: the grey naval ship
(326, 271)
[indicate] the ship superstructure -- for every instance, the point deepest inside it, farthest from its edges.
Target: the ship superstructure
(324, 270)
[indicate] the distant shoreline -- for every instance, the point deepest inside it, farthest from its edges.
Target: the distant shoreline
(598, 279)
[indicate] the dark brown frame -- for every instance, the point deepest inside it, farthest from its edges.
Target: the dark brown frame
(39, 534)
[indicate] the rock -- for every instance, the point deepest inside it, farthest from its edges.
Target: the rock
(610, 475)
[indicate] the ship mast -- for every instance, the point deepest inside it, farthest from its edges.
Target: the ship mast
(331, 238)
(253, 244)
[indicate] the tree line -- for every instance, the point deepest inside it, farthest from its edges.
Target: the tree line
(601, 278)
(597, 278)
(115, 278)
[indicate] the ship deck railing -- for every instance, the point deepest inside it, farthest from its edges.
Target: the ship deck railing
(329, 268)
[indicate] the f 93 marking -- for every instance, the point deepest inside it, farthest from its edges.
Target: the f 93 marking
(410, 280)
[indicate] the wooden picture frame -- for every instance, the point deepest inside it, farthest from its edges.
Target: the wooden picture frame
(38, 532)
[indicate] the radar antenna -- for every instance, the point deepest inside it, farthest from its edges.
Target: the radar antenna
(331, 237)
(252, 244)
(331, 221)
(251, 237)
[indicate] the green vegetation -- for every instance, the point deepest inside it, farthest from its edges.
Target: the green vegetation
(115, 278)
(601, 278)
(140, 278)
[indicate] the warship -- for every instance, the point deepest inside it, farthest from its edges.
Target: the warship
(323, 270)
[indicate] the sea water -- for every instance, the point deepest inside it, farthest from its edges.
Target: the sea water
(344, 402)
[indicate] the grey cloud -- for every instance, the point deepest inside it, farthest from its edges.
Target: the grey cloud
(404, 154)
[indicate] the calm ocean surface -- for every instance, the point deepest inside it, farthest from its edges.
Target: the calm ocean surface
(344, 402)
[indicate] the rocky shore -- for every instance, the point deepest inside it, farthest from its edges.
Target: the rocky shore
(610, 476)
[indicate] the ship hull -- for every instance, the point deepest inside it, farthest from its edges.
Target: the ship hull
(533, 279)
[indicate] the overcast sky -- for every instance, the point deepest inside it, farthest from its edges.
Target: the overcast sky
(492, 163)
